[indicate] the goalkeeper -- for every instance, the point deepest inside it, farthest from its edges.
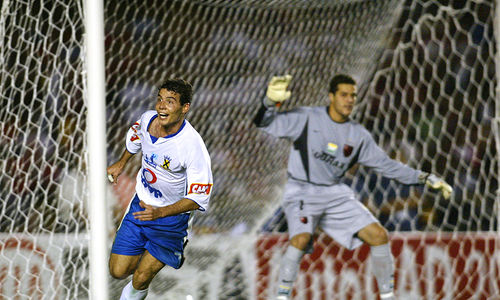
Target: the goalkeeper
(326, 144)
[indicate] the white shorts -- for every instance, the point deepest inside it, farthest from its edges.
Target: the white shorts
(334, 209)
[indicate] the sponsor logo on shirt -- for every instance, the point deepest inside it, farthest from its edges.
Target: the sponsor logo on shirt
(329, 159)
(331, 148)
(148, 177)
(200, 188)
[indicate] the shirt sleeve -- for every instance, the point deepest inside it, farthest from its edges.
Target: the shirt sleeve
(199, 177)
(288, 124)
(134, 138)
(371, 155)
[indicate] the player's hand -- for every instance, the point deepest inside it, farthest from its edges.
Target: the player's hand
(437, 183)
(149, 213)
(114, 171)
(276, 90)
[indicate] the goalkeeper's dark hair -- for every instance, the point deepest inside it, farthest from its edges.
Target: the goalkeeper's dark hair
(181, 87)
(340, 79)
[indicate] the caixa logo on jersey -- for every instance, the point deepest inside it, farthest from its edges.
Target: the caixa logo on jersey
(149, 177)
(200, 188)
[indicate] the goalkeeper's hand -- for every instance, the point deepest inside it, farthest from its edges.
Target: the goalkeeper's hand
(436, 183)
(276, 90)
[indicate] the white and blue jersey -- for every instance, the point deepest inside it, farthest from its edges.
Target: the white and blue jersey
(173, 167)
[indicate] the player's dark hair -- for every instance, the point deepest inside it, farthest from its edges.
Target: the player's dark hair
(339, 79)
(181, 87)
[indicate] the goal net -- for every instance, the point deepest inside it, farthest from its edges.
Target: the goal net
(426, 74)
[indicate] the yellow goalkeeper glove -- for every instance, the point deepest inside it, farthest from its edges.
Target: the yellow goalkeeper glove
(436, 183)
(276, 90)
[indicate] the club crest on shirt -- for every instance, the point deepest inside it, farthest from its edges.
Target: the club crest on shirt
(166, 163)
(347, 150)
(331, 148)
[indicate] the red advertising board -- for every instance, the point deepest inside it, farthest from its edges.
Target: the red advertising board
(428, 266)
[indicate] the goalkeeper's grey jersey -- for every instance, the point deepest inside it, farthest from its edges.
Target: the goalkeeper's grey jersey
(323, 150)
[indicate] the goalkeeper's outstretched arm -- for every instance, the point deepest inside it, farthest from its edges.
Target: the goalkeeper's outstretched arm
(277, 89)
(436, 183)
(374, 157)
(276, 93)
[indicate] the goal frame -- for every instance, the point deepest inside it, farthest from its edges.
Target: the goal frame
(496, 125)
(96, 140)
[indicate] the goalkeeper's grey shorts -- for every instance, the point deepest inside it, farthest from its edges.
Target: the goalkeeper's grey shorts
(334, 209)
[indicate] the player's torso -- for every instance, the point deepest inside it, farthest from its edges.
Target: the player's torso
(162, 178)
(331, 147)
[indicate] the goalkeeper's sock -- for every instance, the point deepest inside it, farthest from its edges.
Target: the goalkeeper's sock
(289, 268)
(130, 293)
(383, 269)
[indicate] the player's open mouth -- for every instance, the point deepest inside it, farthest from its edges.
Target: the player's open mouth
(162, 116)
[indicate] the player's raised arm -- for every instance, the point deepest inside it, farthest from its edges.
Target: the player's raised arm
(277, 90)
(276, 93)
(285, 124)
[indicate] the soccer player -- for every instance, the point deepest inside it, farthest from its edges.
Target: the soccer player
(326, 144)
(174, 180)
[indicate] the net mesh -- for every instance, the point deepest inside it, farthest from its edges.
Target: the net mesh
(42, 180)
(426, 77)
(229, 53)
(431, 104)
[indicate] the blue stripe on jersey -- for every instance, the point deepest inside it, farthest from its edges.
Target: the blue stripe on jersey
(174, 134)
(153, 138)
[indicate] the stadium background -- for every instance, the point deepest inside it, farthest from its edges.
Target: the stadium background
(426, 72)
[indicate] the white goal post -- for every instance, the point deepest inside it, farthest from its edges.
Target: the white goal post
(496, 24)
(96, 135)
(428, 93)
